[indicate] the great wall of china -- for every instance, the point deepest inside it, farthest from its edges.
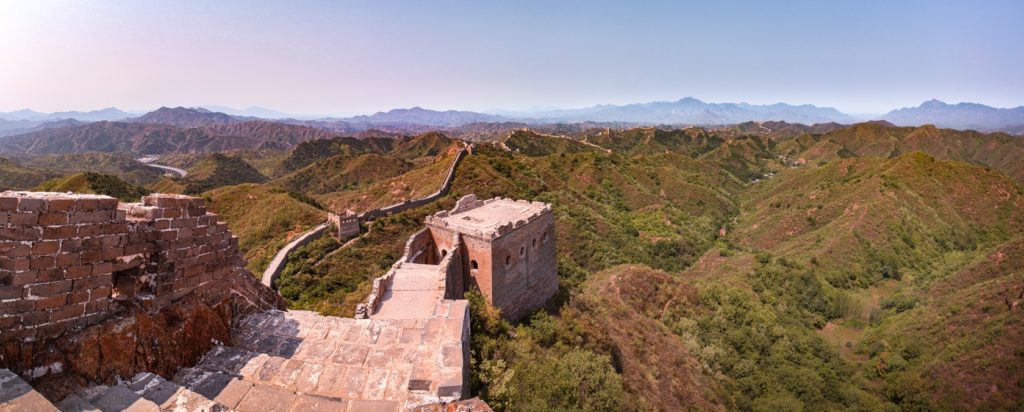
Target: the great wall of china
(148, 306)
(347, 224)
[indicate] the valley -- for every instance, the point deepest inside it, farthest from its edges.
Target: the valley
(758, 266)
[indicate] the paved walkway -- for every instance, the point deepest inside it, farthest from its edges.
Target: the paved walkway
(302, 361)
(413, 292)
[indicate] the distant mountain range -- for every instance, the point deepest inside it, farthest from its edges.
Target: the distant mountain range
(958, 116)
(109, 113)
(692, 111)
(686, 111)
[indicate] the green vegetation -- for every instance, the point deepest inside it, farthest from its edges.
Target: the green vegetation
(220, 170)
(95, 183)
(18, 177)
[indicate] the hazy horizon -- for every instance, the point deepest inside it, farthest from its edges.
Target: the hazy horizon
(862, 58)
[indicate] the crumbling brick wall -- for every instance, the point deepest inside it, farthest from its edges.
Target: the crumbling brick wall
(71, 261)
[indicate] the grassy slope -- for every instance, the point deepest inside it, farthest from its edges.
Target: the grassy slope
(120, 165)
(263, 219)
(220, 170)
(18, 177)
(95, 183)
(338, 173)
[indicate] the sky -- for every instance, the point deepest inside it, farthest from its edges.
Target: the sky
(345, 57)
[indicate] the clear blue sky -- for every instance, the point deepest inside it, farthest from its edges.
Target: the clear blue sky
(322, 57)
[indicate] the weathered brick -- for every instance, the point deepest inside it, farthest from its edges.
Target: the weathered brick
(71, 245)
(15, 264)
(91, 256)
(75, 272)
(53, 219)
(92, 282)
(23, 218)
(49, 275)
(27, 204)
(24, 278)
(14, 250)
(103, 268)
(46, 247)
(115, 228)
(8, 203)
(67, 312)
(50, 289)
(87, 204)
(51, 302)
(17, 306)
(43, 262)
(90, 230)
(106, 203)
(98, 216)
(68, 259)
(19, 233)
(79, 297)
(3, 217)
(61, 205)
(96, 306)
(59, 232)
(11, 292)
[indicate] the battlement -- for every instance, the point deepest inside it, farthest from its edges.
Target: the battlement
(69, 261)
(488, 219)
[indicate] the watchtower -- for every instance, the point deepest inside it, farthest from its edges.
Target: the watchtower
(507, 250)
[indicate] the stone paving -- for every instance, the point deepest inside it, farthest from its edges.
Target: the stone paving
(414, 291)
(298, 361)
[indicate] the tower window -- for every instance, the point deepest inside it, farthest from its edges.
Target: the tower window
(508, 260)
(473, 265)
(545, 240)
(444, 252)
(522, 251)
(534, 243)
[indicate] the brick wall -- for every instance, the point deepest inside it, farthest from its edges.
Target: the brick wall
(70, 261)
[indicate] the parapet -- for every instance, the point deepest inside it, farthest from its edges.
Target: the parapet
(489, 218)
(68, 261)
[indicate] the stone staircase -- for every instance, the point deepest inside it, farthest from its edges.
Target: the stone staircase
(302, 361)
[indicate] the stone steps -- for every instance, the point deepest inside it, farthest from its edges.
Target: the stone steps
(144, 393)
(17, 395)
(299, 361)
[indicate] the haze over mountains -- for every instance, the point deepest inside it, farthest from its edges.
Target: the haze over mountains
(685, 111)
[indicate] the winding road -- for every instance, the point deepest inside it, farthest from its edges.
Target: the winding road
(148, 161)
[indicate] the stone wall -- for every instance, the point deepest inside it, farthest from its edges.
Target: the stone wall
(280, 260)
(71, 261)
(524, 272)
(410, 204)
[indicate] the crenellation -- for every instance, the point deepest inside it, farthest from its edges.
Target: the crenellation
(70, 261)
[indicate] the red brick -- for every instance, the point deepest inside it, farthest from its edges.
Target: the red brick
(3, 217)
(59, 232)
(49, 275)
(43, 262)
(79, 297)
(11, 292)
(102, 292)
(26, 204)
(53, 219)
(47, 247)
(87, 204)
(16, 264)
(97, 306)
(51, 302)
(172, 213)
(50, 289)
(90, 230)
(24, 278)
(8, 203)
(92, 282)
(23, 218)
(115, 228)
(91, 256)
(78, 271)
(103, 268)
(9, 323)
(14, 250)
(17, 306)
(68, 259)
(19, 233)
(71, 245)
(67, 312)
(99, 216)
(106, 203)
(61, 205)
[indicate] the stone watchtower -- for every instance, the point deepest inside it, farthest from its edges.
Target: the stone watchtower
(507, 249)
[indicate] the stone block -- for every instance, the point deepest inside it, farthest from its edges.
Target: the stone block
(14, 250)
(19, 233)
(53, 219)
(67, 312)
(8, 203)
(50, 289)
(52, 302)
(43, 262)
(46, 247)
(267, 399)
(61, 205)
(11, 292)
(15, 264)
(23, 218)
(27, 204)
